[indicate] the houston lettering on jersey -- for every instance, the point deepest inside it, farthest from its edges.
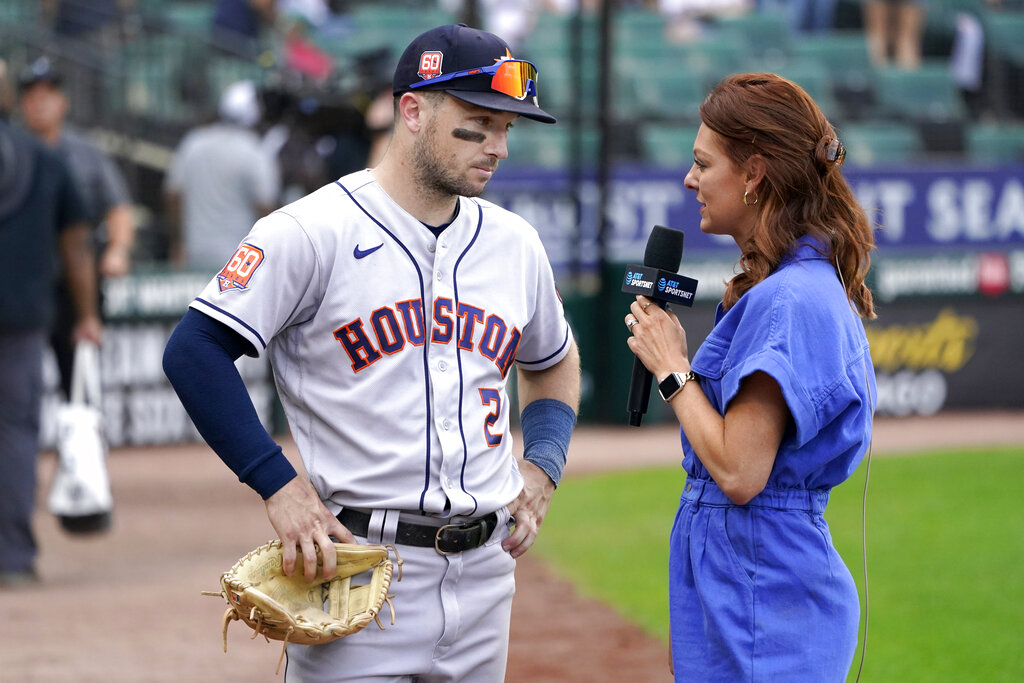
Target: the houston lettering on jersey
(391, 328)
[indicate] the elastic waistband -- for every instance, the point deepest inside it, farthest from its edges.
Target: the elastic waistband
(706, 492)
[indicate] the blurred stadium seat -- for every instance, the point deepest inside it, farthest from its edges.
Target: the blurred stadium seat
(1006, 34)
(536, 144)
(169, 73)
(869, 144)
(147, 82)
(817, 81)
(18, 12)
(635, 26)
(766, 34)
(995, 143)
(375, 26)
(668, 146)
(1005, 60)
(927, 93)
(189, 17)
(663, 92)
(716, 57)
(844, 55)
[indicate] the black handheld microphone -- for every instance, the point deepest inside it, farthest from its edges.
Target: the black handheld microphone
(657, 279)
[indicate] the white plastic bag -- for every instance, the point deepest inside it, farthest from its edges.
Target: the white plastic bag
(80, 494)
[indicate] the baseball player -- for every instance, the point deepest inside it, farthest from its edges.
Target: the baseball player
(393, 304)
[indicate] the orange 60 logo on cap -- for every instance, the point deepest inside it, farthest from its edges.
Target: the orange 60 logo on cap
(240, 268)
(430, 65)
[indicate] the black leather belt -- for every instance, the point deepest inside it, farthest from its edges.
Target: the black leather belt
(446, 539)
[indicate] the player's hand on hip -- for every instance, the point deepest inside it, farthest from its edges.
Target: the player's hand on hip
(305, 525)
(529, 508)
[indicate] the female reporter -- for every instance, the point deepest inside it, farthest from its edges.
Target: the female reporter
(776, 406)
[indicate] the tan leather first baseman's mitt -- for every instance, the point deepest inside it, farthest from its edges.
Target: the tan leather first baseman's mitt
(294, 610)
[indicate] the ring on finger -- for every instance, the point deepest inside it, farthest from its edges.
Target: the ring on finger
(631, 323)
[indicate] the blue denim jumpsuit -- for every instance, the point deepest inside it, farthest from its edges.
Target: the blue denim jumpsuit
(757, 592)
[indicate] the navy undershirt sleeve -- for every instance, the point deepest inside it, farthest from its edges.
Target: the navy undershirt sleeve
(199, 360)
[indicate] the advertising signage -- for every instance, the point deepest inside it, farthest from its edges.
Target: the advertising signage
(966, 209)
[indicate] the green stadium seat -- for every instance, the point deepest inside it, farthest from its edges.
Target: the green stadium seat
(635, 57)
(766, 34)
(637, 26)
(1005, 35)
(557, 91)
(816, 80)
(843, 54)
(714, 57)
(399, 18)
(148, 78)
(550, 146)
(927, 93)
(666, 92)
(553, 31)
(668, 146)
(873, 144)
(18, 13)
(382, 26)
(189, 17)
(995, 143)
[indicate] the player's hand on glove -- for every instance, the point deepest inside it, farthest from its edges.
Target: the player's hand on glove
(302, 521)
(529, 508)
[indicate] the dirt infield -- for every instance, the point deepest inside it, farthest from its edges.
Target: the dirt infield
(126, 606)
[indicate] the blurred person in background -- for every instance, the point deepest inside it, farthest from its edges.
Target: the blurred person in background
(895, 29)
(44, 107)
(239, 25)
(688, 19)
(776, 407)
(42, 220)
(221, 180)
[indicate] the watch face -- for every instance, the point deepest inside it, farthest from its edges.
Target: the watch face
(669, 386)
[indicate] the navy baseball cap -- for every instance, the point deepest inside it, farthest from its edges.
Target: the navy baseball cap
(41, 70)
(472, 65)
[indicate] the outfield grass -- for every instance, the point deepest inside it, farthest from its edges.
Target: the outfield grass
(945, 557)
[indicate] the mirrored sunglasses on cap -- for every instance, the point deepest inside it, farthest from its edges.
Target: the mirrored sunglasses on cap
(512, 77)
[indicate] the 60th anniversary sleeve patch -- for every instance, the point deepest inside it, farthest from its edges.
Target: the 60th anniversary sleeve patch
(240, 268)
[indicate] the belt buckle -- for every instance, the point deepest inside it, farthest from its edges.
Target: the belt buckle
(437, 539)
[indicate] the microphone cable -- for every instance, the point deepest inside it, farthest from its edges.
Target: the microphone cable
(864, 497)
(864, 526)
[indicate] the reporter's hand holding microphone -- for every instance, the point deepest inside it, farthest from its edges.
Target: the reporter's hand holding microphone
(658, 339)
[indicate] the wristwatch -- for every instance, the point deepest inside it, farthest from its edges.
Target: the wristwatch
(674, 383)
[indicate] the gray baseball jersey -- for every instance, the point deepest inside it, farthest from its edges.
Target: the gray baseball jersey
(391, 348)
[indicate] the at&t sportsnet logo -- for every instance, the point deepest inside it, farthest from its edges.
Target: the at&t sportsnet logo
(672, 288)
(660, 284)
(636, 279)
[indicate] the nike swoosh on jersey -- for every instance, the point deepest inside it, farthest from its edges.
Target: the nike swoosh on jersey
(361, 253)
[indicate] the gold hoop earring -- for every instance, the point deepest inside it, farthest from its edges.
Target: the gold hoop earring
(748, 203)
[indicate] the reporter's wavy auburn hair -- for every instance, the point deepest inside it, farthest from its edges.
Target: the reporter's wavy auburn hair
(803, 191)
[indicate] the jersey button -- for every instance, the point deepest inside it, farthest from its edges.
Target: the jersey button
(432, 247)
(439, 276)
(446, 424)
(442, 366)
